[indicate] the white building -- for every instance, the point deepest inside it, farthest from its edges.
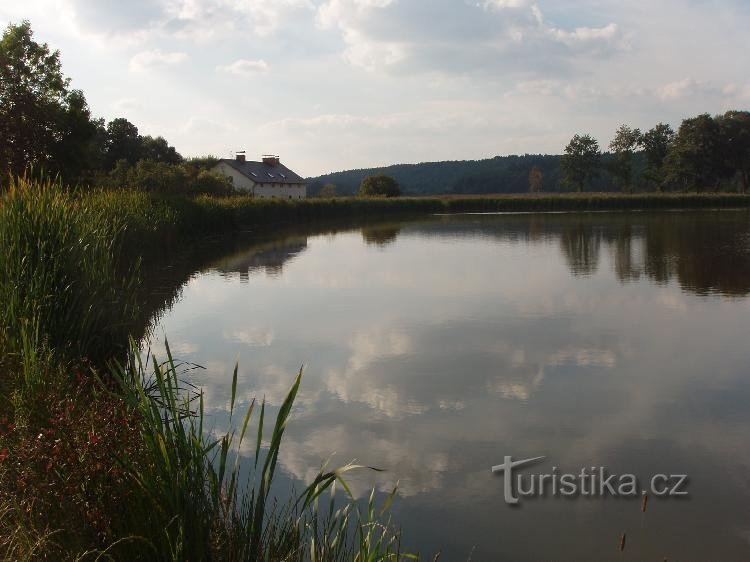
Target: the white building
(267, 178)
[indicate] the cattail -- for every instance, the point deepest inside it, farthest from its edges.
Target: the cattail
(644, 503)
(622, 542)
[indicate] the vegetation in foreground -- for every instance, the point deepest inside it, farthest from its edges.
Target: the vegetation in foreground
(102, 456)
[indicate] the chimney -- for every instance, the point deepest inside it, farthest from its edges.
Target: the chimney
(270, 160)
(240, 156)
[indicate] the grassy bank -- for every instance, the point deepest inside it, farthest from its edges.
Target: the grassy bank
(156, 226)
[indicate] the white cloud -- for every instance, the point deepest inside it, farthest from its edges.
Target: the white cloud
(127, 104)
(689, 87)
(244, 67)
(155, 59)
(380, 34)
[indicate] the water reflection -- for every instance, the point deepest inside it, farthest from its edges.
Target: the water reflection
(435, 347)
(381, 234)
(268, 257)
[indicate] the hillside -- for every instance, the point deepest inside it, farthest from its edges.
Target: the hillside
(501, 174)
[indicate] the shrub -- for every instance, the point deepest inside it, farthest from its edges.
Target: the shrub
(380, 185)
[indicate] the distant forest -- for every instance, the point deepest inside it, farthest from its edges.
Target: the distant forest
(501, 174)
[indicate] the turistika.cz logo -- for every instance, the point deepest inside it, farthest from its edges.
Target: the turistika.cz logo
(593, 481)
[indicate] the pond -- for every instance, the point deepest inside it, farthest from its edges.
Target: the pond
(434, 348)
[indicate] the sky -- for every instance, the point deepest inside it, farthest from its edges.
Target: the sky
(338, 84)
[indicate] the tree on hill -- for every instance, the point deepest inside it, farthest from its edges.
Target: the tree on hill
(581, 161)
(328, 191)
(379, 186)
(623, 146)
(536, 180)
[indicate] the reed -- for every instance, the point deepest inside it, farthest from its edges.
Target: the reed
(62, 285)
(190, 502)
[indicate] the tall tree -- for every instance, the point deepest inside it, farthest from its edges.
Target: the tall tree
(158, 150)
(33, 94)
(623, 146)
(581, 161)
(536, 179)
(123, 142)
(656, 144)
(380, 185)
(81, 143)
(696, 159)
(735, 132)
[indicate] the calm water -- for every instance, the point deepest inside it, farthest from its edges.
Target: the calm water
(436, 347)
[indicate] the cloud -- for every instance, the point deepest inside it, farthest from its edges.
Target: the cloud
(127, 104)
(689, 87)
(115, 16)
(438, 35)
(155, 59)
(244, 67)
(204, 126)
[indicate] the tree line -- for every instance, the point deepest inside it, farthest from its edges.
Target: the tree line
(47, 127)
(706, 153)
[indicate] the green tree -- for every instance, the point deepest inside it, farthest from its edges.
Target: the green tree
(581, 161)
(656, 144)
(536, 179)
(623, 146)
(734, 127)
(123, 142)
(380, 185)
(82, 140)
(328, 191)
(158, 150)
(696, 159)
(34, 100)
(213, 183)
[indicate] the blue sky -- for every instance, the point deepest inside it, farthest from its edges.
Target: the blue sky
(337, 84)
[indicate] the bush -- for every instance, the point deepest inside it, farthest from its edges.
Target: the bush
(382, 185)
(211, 183)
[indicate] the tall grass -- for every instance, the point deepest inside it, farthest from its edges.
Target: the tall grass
(191, 503)
(62, 284)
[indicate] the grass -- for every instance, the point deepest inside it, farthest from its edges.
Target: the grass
(192, 502)
(62, 285)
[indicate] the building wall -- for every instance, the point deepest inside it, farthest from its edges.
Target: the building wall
(280, 191)
(240, 181)
(262, 190)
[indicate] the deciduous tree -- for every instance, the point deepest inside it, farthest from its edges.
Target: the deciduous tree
(536, 180)
(656, 144)
(380, 185)
(696, 159)
(581, 161)
(623, 146)
(734, 128)
(33, 99)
